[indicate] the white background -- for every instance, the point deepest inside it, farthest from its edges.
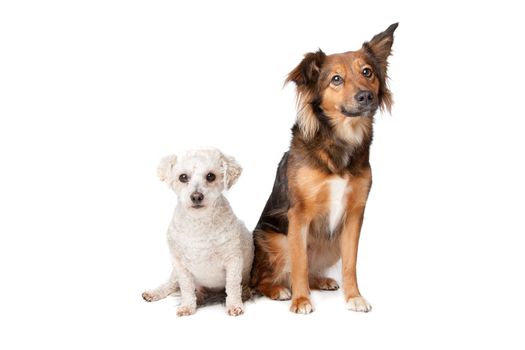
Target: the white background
(94, 93)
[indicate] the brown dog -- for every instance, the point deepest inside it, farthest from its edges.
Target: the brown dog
(315, 211)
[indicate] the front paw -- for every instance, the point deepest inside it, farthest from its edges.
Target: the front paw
(301, 305)
(235, 310)
(150, 296)
(358, 304)
(186, 310)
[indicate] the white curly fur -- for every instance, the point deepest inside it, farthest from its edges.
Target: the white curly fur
(209, 246)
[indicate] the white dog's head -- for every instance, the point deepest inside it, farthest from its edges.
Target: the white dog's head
(199, 177)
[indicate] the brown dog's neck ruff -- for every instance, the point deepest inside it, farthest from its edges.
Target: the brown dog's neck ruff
(336, 148)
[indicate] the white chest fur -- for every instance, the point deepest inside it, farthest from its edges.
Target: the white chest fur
(339, 190)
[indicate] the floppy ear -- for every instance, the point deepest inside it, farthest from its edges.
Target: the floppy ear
(379, 48)
(307, 72)
(231, 170)
(165, 167)
(306, 76)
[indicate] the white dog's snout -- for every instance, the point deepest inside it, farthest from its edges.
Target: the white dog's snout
(197, 197)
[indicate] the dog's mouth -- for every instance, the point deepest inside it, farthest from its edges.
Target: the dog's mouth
(360, 112)
(197, 206)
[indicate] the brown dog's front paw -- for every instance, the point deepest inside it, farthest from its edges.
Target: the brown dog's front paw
(301, 305)
(358, 304)
(185, 310)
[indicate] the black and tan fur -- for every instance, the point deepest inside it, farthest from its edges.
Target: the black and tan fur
(297, 237)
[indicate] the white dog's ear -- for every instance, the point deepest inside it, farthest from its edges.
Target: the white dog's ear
(231, 170)
(165, 167)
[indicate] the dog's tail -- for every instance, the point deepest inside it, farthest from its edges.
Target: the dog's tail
(207, 296)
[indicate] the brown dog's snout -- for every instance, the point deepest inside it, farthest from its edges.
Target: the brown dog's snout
(364, 98)
(196, 198)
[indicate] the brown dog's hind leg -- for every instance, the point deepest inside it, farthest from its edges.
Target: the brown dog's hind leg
(271, 265)
(273, 291)
(323, 283)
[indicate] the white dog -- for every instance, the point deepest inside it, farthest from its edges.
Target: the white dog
(210, 247)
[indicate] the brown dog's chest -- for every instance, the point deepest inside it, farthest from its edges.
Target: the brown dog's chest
(323, 199)
(338, 191)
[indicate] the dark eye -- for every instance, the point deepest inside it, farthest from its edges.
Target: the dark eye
(367, 72)
(183, 178)
(210, 177)
(337, 80)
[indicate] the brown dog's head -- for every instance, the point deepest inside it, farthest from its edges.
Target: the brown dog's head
(341, 86)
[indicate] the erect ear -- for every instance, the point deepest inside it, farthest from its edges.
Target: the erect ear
(231, 170)
(307, 72)
(380, 46)
(165, 167)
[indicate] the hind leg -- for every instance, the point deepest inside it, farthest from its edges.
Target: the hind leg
(246, 292)
(323, 283)
(271, 266)
(274, 291)
(161, 292)
(322, 255)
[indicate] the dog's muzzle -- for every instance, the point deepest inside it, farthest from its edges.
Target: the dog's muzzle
(359, 112)
(366, 105)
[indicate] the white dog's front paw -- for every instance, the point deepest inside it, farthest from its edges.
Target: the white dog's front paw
(358, 304)
(186, 310)
(150, 296)
(235, 310)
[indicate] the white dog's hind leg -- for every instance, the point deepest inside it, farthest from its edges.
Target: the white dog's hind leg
(162, 291)
(234, 305)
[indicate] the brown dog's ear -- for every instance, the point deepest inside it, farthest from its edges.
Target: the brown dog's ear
(381, 45)
(231, 170)
(307, 72)
(379, 48)
(305, 76)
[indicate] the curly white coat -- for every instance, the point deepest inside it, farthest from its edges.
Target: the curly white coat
(209, 246)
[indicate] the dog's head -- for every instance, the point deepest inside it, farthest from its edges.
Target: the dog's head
(199, 177)
(333, 88)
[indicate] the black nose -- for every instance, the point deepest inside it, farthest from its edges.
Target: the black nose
(197, 197)
(364, 98)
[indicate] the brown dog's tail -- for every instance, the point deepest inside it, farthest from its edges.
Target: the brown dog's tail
(207, 296)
